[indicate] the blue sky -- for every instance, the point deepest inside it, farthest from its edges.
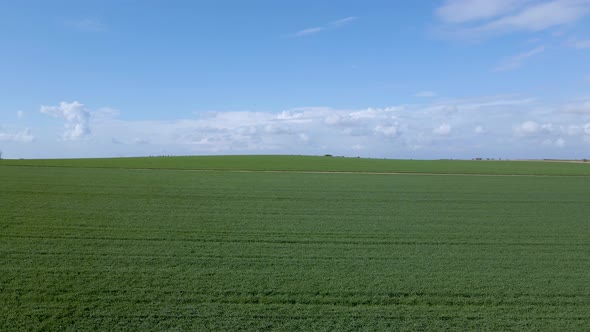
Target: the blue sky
(391, 79)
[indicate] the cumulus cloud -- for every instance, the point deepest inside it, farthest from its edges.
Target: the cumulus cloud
(297, 130)
(20, 114)
(387, 130)
(76, 116)
(558, 142)
(516, 61)
(479, 130)
(445, 128)
(22, 136)
(303, 137)
(442, 130)
(528, 128)
(532, 128)
(577, 107)
(571, 130)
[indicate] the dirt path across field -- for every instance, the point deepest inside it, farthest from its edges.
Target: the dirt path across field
(352, 172)
(553, 161)
(307, 172)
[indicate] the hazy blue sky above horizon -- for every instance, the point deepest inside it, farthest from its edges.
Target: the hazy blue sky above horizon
(394, 79)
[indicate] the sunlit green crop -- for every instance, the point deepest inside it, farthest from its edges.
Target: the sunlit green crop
(164, 249)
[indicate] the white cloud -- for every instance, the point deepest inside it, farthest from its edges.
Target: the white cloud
(22, 136)
(140, 141)
(527, 128)
(560, 142)
(303, 137)
(308, 31)
(359, 118)
(296, 130)
(479, 130)
(425, 94)
(576, 131)
(77, 118)
(288, 115)
(541, 16)
(534, 40)
(468, 126)
(105, 112)
(571, 130)
(343, 21)
(577, 107)
(20, 114)
(532, 128)
(480, 17)
(442, 130)
(332, 25)
(387, 130)
(578, 43)
(476, 105)
(458, 11)
(517, 60)
(88, 24)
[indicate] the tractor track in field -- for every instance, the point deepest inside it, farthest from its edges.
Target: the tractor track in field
(353, 172)
(303, 171)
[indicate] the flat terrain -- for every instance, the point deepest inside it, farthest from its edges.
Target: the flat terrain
(321, 164)
(138, 243)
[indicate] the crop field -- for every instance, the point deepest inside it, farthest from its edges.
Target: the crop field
(148, 244)
(321, 164)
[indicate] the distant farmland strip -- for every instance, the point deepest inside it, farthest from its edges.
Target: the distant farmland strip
(321, 164)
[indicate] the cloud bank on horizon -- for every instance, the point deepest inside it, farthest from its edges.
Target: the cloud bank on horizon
(498, 79)
(485, 127)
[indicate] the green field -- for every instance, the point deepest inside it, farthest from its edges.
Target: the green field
(142, 244)
(323, 164)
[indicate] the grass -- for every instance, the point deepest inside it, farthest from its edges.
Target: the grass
(329, 164)
(123, 249)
